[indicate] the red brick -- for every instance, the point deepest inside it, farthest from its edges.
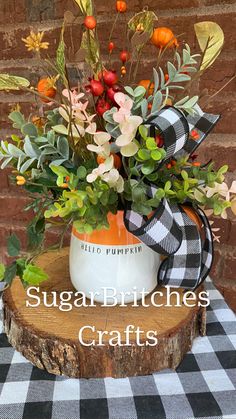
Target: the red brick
(218, 2)
(37, 11)
(232, 233)
(6, 229)
(5, 109)
(229, 268)
(218, 75)
(4, 184)
(175, 4)
(12, 11)
(225, 226)
(61, 6)
(220, 148)
(216, 270)
(12, 207)
(12, 46)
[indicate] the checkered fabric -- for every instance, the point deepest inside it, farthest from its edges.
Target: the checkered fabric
(174, 129)
(190, 264)
(170, 231)
(203, 123)
(203, 386)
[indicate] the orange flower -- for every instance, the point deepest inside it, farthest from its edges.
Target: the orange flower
(163, 37)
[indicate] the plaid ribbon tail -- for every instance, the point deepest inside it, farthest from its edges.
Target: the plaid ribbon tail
(204, 124)
(191, 264)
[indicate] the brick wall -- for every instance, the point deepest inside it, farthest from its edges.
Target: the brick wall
(18, 16)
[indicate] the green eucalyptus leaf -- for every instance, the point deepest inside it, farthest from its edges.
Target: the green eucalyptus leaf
(129, 90)
(171, 70)
(157, 102)
(15, 151)
(139, 91)
(25, 166)
(29, 129)
(17, 118)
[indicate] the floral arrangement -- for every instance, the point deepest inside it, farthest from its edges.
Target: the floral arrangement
(89, 150)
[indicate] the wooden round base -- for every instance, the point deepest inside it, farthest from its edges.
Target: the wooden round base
(48, 337)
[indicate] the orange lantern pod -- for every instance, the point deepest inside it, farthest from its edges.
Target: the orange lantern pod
(147, 85)
(163, 37)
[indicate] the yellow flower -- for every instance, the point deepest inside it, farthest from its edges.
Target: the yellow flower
(33, 42)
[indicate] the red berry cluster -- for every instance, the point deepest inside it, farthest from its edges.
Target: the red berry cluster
(105, 89)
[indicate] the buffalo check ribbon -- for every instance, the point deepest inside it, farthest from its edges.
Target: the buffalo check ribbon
(169, 231)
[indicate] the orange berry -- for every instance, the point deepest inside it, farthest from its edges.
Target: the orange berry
(20, 180)
(111, 46)
(166, 77)
(90, 22)
(196, 163)
(121, 6)
(194, 134)
(169, 166)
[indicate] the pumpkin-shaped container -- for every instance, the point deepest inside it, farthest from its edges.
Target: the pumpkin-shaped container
(112, 266)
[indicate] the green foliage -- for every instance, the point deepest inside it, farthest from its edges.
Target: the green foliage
(13, 245)
(162, 87)
(33, 275)
(10, 273)
(9, 82)
(35, 150)
(146, 19)
(87, 205)
(2, 271)
(86, 6)
(60, 55)
(90, 46)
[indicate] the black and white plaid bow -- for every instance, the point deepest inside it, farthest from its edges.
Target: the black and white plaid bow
(170, 231)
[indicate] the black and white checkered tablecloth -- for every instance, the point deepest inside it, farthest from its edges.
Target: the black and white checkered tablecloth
(203, 385)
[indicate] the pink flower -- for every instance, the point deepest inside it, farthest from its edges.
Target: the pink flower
(125, 104)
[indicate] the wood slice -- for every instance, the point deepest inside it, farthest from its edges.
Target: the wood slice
(48, 337)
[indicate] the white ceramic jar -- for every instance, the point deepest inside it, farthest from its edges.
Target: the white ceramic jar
(112, 264)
